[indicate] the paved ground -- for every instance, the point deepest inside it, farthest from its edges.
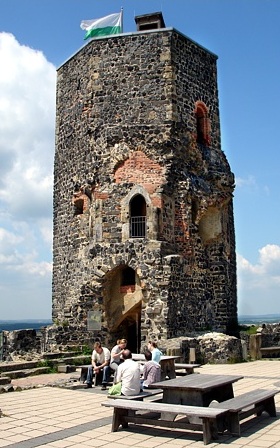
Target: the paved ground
(55, 417)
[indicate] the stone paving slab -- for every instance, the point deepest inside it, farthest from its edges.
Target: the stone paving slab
(58, 417)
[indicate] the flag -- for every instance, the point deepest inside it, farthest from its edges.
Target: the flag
(104, 26)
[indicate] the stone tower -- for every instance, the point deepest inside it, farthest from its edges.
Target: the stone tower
(144, 243)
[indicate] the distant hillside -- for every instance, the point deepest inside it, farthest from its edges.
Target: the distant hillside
(258, 319)
(34, 324)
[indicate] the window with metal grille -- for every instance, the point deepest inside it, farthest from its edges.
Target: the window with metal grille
(138, 210)
(138, 227)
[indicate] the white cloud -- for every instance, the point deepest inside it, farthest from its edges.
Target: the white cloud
(250, 184)
(27, 117)
(250, 181)
(27, 132)
(258, 284)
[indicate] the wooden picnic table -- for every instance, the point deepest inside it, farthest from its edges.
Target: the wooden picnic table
(197, 390)
(167, 364)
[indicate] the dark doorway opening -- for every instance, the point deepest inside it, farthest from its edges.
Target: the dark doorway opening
(130, 329)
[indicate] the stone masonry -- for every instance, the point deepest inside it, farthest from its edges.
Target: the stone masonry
(143, 216)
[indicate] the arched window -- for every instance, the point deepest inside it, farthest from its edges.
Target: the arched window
(202, 124)
(138, 212)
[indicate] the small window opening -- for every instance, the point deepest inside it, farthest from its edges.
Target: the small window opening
(138, 212)
(80, 200)
(78, 207)
(202, 124)
(128, 277)
(194, 210)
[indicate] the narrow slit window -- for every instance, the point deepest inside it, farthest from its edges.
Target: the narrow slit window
(202, 124)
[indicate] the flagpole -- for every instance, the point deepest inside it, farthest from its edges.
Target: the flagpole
(121, 19)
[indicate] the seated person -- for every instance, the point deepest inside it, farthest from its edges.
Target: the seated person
(151, 370)
(100, 359)
(128, 374)
(156, 353)
(116, 355)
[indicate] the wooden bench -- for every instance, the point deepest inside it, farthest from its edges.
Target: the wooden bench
(187, 367)
(242, 406)
(140, 397)
(163, 414)
(270, 351)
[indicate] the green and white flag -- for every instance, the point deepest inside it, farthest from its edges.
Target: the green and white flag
(111, 24)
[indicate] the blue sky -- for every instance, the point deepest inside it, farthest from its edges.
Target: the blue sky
(37, 36)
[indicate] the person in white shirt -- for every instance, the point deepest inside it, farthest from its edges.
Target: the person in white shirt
(100, 359)
(128, 374)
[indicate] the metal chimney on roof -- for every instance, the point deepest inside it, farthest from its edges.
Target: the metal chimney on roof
(151, 21)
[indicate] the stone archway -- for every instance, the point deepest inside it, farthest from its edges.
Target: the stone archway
(123, 306)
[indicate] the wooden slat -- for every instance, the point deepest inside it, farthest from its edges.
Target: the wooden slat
(202, 382)
(151, 406)
(248, 399)
(141, 396)
(186, 366)
(270, 349)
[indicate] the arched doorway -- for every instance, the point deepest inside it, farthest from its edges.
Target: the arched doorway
(123, 305)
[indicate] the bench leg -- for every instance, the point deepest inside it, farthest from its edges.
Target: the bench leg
(118, 419)
(210, 431)
(269, 406)
(83, 376)
(234, 423)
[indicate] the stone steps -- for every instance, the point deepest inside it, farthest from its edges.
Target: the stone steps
(10, 366)
(58, 355)
(63, 364)
(25, 365)
(14, 374)
(4, 380)
(74, 360)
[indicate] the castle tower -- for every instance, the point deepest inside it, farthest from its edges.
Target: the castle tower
(144, 243)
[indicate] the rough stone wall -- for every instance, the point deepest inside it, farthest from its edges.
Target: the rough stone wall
(18, 342)
(126, 126)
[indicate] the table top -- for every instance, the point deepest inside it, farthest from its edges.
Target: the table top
(141, 357)
(201, 382)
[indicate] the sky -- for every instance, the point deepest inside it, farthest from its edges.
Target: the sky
(38, 36)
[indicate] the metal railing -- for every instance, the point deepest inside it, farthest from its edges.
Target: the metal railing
(137, 227)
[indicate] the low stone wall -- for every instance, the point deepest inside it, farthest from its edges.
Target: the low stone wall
(205, 348)
(64, 338)
(214, 348)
